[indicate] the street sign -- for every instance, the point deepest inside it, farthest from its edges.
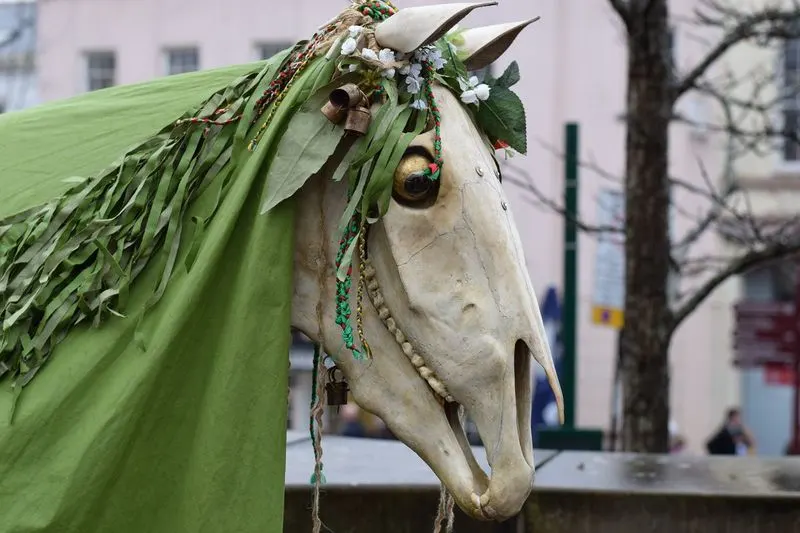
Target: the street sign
(764, 333)
(779, 375)
(608, 295)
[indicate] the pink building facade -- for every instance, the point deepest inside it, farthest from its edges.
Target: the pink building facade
(573, 66)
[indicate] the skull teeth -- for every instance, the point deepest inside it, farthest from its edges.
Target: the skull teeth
(375, 296)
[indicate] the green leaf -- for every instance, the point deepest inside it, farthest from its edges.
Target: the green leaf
(454, 67)
(510, 77)
(381, 177)
(309, 141)
(502, 117)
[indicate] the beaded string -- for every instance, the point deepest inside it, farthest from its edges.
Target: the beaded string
(362, 281)
(377, 10)
(211, 121)
(281, 84)
(272, 95)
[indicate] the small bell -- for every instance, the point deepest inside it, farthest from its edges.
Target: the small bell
(358, 120)
(347, 96)
(333, 112)
(336, 389)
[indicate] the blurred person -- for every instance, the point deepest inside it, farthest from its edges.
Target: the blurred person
(350, 424)
(733, 438)
(793, 448)
(677, 444)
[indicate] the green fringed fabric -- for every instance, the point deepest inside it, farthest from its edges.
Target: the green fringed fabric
(74, 258)
(189, 433)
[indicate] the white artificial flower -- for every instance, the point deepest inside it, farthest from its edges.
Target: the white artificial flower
(367, 53)
(419, 104)
(482, 92)
(355, 31)
(473, 91)
(469, 97)
(387, 57)
(435, 58)
(412, 69)
(413, 84)
(349, 46)
(421, 55)
(468, 84)
(430, 54)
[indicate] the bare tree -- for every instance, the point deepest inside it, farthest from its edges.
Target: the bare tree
(746, 104)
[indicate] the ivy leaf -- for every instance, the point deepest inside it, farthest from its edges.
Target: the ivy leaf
(502, 117)
(510, 77)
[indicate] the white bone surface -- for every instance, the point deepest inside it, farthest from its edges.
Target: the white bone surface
(413, 27)
(453, 280)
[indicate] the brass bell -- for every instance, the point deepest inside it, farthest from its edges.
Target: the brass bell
(336, 390)
(333, 112)
(358, 120)
(347, 96)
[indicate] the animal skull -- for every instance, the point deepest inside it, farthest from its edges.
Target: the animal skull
(453, 318)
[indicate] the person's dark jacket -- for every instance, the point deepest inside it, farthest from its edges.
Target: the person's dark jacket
(722, 443)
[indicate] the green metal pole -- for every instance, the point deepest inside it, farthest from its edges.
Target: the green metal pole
(569, 322)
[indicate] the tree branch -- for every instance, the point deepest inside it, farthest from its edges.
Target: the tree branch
(525, 183)
(765, 24)
(13, 35)
(741, 264)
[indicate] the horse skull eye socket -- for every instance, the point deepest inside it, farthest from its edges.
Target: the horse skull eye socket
(411, 186)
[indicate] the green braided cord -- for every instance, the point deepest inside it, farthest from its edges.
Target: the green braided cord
(434, 170)
(377, 10)
(314, 378)
(343, 310)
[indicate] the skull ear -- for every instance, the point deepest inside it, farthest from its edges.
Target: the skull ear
(482, 46)
(412, 27)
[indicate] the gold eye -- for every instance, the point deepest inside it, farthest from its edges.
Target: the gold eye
(411, 185)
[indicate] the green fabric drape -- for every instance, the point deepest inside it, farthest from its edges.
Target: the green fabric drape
(171, 420)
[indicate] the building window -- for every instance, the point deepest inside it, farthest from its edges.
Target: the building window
(267, 50)
(773, 282)
(181, 60)
(791, 101)
(101, 70)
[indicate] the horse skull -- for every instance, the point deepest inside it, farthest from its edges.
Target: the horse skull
(454, 319)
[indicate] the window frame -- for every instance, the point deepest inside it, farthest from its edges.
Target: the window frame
(173, 52)
(90, 70)
(259, 48)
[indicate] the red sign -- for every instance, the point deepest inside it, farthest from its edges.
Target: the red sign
(764, 333)
(781, 375)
